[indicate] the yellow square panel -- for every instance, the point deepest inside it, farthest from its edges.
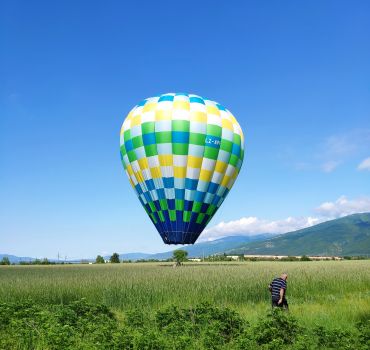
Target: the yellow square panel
(194, 162)
(139, 176)
(129, 169)
(198, 117)
(136, 120)
(165, 160)
(156, 172)
(225, 181)
(149, 107)
(143, 163)
(227, 124)
(179, 172)
(220, 167)
(205, 175)
(181, 105)
(213, 110)
(130, 115)
(163, 114)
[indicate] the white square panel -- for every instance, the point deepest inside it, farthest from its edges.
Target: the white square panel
(190, 195)
(164, 148)
(153, 161)
(163, 125)
(196, 151)
(136, 131)
(198, 127)
(230, 170)
(170, 193)
(140, 152)
(214, 119)
(192, 173)
(208, 164)
(180, 161)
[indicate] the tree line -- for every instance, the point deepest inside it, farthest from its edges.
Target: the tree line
(179, 256)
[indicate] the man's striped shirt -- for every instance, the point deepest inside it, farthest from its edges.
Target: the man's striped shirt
(276, 285)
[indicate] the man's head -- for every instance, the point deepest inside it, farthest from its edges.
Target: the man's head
(284, 276)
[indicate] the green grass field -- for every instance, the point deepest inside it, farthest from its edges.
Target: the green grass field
(330, 292)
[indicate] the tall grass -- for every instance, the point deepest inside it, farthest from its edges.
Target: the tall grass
(321, 292)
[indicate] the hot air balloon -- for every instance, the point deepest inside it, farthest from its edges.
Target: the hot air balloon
(182, 154)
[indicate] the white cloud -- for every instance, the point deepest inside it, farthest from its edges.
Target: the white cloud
(333, 151)
(250, 226)
(343, 206)
(329, 166)
(364, 165)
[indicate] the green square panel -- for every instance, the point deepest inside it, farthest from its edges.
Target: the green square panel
(131, 156)
(197, 139)
(237, 139)
(200, 218)
(180, 125)
(137, 141)
(163, 204)
(196, 207)
(123, 150)
(163, 137)
(152, 207)
(179, 204)
(148, 127)
(233, 160)
(150, 150)
(153, 218)
(127, 135)
(211, 209)
(180, 149)
(226, 145)
(210, 152)
(186, 216)
(161, 216)
(172, 214)
(214, 130)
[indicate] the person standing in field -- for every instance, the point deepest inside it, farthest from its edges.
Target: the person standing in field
(278, 290)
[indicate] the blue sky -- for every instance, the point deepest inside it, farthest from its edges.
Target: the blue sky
(295, 74)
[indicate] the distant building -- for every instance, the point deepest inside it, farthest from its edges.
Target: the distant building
(233, 257)
(279, 257)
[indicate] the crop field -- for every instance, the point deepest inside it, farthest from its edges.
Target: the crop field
(331, 294)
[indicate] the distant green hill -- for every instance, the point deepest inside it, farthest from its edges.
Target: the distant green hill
(198, 250)
(349, 235)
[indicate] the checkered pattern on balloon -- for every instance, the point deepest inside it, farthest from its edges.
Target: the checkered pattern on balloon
(182, 154)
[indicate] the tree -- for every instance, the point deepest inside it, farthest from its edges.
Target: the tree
(180, 256)
(5, 261)
(99, 260)
(114, 259)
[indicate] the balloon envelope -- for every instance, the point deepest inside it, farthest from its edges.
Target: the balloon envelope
(182, 154)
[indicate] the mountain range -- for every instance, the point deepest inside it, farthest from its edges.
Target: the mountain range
(201, 249)
(349, 235)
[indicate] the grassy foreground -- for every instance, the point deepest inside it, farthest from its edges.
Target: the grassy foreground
(321, 292)
(328, 292)
(198, 306)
